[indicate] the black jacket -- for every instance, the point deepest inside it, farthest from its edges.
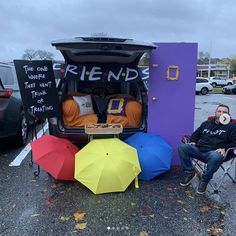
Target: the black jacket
(211, 136)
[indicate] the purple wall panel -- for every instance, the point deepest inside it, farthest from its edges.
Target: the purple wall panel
(172, 113)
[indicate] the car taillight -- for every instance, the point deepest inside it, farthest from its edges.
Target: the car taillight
(6, 93)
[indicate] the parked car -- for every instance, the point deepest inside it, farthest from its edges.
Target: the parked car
(229, 89)
(218, 81)
(203, 86)
(103, 68)
(12, 118)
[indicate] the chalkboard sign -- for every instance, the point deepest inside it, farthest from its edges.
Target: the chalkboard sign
(38, 90)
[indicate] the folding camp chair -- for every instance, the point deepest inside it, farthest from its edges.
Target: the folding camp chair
(228, 163)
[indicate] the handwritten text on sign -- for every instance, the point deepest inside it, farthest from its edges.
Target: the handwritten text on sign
(37, 87)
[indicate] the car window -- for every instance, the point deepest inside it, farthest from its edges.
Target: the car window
(6, 75)
(200, 80)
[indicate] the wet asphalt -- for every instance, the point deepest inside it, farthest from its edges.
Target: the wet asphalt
(40, 205)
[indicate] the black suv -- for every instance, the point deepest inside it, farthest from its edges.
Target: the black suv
(101, 67)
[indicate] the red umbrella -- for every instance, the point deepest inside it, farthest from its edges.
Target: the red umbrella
(55, 155)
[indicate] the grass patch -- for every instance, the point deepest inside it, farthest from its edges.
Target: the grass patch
(216, 90)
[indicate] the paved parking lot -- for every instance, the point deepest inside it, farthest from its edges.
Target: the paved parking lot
(32, 205)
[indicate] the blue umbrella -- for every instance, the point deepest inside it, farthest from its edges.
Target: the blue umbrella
(154, 154)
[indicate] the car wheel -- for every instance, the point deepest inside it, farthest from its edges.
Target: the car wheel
(22, 132)
(204, 91)
(214, 85)
(229, 84)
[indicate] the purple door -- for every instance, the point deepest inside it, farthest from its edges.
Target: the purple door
(171, 102)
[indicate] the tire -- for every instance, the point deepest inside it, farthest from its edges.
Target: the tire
(229, 84)
(214, 85)
(204, 91)
(21, 136)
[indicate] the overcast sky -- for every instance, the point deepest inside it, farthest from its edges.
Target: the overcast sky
(34, 24)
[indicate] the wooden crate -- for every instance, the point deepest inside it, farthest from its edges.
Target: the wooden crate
(103, 128)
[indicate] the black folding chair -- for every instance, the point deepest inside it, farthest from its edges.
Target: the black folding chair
(228, 163)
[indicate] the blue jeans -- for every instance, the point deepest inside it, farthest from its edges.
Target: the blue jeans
(212, 158)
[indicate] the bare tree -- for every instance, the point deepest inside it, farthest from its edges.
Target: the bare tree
(30, 54)
(203, 57)
(44, 55)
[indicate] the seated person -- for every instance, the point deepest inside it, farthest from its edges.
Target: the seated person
(208, 144)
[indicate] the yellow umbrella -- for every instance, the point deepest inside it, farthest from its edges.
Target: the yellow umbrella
(107, 165)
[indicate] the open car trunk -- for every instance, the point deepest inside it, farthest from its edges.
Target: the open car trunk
(101, 84)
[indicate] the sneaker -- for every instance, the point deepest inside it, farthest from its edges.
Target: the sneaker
(187, 179)
(202, 187)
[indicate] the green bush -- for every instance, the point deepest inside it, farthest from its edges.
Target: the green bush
(216, 90)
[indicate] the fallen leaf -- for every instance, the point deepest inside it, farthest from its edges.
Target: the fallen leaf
(189, 193)
(152, 215)
(205, 209)
(57, 185)
(81, 226)
(133, 204)
(35, 215)
(14, 205)
(185, 218)
(215, 231)
(48, 200)
(169, 189)
(79, 215)
(146, 209)
(185, 210)
(222, 212)
(143, 233)
(196, 229)
(74, 232)
(64, 218)
(215, 206)
(180, 202)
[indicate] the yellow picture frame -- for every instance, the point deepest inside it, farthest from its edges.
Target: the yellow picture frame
(172, 67)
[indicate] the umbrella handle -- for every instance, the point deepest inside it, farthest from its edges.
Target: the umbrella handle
(37, 172)
(136, 177)
(136, 182)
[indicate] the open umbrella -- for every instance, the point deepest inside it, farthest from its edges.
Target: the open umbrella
(55, 155)
(154, 154)
(106, 165)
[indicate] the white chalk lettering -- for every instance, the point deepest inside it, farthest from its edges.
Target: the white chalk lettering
(83, 73)
(71, 69)
(43, 108)
(112, 75)
(40, 101)
(45, 85)
(28, 85)
(44, 68)
(27, 68)
(38, 94)
(37, 77)
(95, 71)
(128, 73)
